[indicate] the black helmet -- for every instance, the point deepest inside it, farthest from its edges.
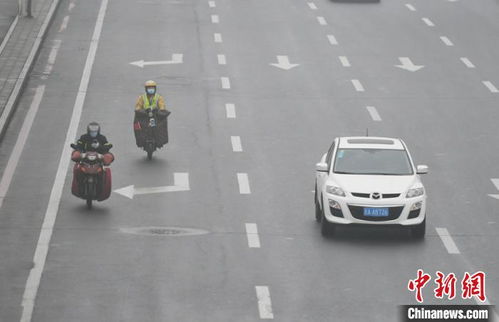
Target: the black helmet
(93, 129)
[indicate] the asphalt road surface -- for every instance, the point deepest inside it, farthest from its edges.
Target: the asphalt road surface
(244, 138)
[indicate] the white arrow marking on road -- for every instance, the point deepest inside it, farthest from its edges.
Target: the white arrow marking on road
(283, 63)
(181, 184)
(176, 59)
(495, 181)
(407, 64)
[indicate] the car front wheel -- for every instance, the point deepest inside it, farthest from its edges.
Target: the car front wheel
(418, 231)
(318, 211)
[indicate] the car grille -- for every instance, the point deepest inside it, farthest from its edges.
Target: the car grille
(368, 195)
(358, 213)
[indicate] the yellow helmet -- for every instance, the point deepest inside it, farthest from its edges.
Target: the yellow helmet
(150, 83)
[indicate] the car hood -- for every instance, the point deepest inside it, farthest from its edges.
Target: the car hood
(374, 183)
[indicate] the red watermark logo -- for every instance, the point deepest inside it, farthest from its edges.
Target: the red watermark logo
(471, 285)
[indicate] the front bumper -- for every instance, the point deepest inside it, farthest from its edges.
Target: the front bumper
(352, 208)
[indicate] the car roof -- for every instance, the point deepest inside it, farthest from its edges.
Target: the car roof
(370, 142)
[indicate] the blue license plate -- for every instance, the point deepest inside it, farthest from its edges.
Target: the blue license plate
(376, 212)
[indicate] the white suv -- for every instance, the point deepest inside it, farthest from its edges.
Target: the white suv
(369, 180)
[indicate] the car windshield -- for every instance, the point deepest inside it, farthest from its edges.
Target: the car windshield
(372, 162)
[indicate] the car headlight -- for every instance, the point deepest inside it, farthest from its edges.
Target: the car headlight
(334, 190)
(415, 192)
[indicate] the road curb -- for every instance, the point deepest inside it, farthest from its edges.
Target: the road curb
(28, 65)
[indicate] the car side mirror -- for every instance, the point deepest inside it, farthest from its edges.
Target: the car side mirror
(321, 167)
(422, 169)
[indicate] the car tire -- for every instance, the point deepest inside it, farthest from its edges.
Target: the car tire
(327, 228)
(318, 211)
(418, 231)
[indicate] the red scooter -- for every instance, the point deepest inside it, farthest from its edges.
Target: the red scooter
(91, 175)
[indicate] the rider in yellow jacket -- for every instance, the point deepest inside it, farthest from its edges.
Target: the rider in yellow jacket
(150, 99)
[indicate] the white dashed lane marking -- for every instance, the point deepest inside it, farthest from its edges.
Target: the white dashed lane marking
(490, 86)
(212, 4)
(410, 7)
(221, 59)
(357, 85)
(230, 111)
(446, 41)
(225, 82)
(322, 21)
(243, 181)
(252, 234)
(344, 61)
(447, 240)
(312, 6)
(215, 19)
(236, 144)
(332, 40)
(428, 22)
(52, 57)
(374, 113)
(264, 302)
(217, 37)
(467, 62)
(64, 24)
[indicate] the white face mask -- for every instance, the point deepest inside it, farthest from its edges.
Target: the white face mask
(93, 134)
(151, 90)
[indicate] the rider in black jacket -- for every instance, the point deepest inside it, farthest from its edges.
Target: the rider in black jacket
(93, 140)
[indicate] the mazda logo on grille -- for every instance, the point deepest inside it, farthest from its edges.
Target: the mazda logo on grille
(375, 195)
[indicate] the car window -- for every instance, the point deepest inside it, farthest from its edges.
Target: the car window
(329, 156)
(373, 162)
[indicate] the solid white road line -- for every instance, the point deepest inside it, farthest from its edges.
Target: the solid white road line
(225, 82)
(322, 21)
(64, 24)
(230, 111)
(43, 244)
(446, 41)
(264, 303)
(244, 187)
(215, 19)
(236, 144)
(410, 7)
(374, 113)
(344, 61)
(217, 37)
(252, 234)
(332, 40)
(428, 22)
(221, 59)
(467, 62)
(212, 4)
(358, 86)
(312, 6)
(15, 155)
(490, 86)
(447, 240)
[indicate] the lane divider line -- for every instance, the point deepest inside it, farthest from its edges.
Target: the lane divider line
(332, 40)
(15, 155)
(446, 41)
(221, 59)
(374, 113)
(42, 247)
(447, 240)
(467, 62)
(410, 7)
(428, 22)
(252, 235)
(322, 21)
(236, 144)
(64, 24)
(217, 37)
(212, 4)
(344, 61)
(230, 111)
(490, 87)
(312, 6)
(52, 57)
(358, 85)
(225, 82)
(215, 19)
(244, 187)
(264, 302)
